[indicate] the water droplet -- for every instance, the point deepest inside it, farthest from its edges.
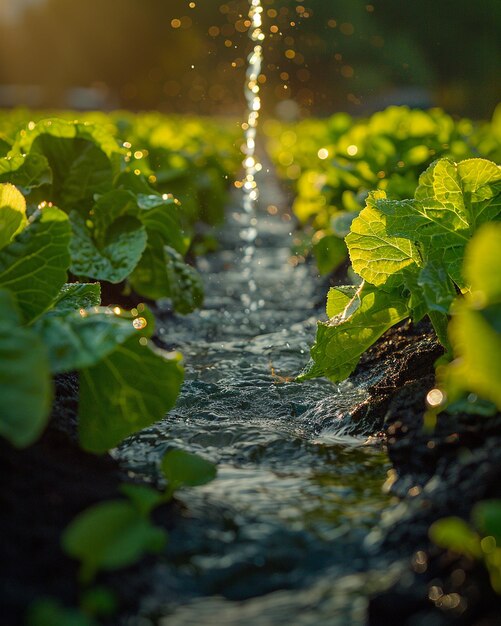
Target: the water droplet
(139, 323)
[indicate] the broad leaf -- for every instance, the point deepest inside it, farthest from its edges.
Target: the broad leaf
(143, 498)
(130, 389)
(25, 384)
(12, 213)
(161, 215)
(33, 267)
(81, 339)
(162, 273)
(123, 247)
(184, 469)
(450, 203)
(83, 159)
(109, 536)
(26, 172)
(329, 253)
(438, 291)
(342, 340)
(375, 255)
(482, 265)
(475, 327)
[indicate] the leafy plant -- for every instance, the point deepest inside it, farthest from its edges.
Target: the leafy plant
(48, 327)
(116, 533)
(475, 326)
(409, 256)
(480, 540)
(334, 163)
(122, 229)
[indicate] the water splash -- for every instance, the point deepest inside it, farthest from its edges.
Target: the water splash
(251, 163)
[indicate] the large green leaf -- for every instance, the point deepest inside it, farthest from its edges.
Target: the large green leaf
(110, 535)
(25, 171)
(83, 159)
(33, 267)
(12, 213)
(81, 339)
(344, 338)
(482, 265)
(475, 327)
(451, 201)
(128, 390)
(121, 251)
(25, 384)
(375, 255)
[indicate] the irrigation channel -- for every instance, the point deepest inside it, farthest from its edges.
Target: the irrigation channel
(278, 537)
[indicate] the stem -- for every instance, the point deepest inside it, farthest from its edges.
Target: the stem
(440, 323)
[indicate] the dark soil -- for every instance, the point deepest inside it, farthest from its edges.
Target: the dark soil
(435, 474)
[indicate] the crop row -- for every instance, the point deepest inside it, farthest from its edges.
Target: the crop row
(91, 211)
(406, 197)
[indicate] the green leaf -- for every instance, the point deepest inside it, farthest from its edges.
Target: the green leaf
(75, 296)
(455, 534)
(329, 253)
(487, 518)
(80, 340)
(162, 273)
(338, 298)
(109, 536)
(482, 265)
(83, 159)
(130, 389)
(144, 498)
(437, 288)
(124, 245)
(342, 340)
(477, 347)
(375, 255)
(160, 214)
(108, 208)
(25, 383)
(49, 612)
(25, 171)
(184, 469)
(12, 213)
(451, 201)
(34, 265)
(475, 327)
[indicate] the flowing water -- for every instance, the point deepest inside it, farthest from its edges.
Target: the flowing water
(278, 537)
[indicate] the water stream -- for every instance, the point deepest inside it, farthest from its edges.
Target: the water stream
(278, 537)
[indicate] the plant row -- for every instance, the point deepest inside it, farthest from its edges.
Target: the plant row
(335, 163)
(434, 252)
(84, 205)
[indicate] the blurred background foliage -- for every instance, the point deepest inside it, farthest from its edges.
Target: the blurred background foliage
(322, 56)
